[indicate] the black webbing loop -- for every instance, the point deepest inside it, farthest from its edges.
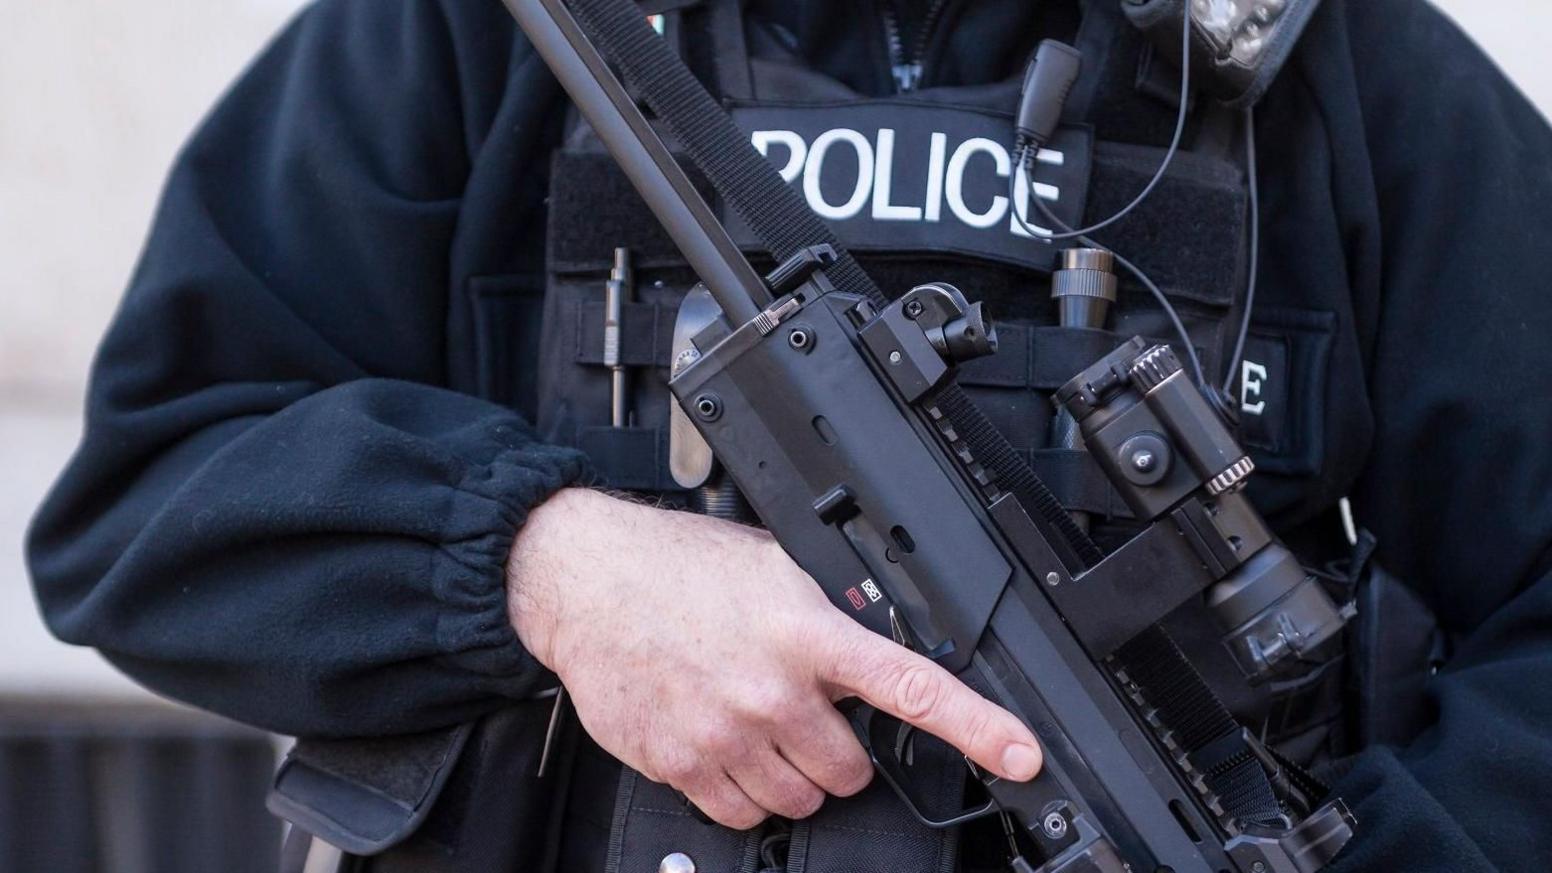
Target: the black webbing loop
(713, 45)
(782, 220)
(742, 177)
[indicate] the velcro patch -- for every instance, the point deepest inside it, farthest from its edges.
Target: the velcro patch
(906, 176)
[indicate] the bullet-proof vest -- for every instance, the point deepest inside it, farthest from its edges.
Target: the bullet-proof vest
(917, 187)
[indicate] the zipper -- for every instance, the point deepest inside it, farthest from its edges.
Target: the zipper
(906, 61)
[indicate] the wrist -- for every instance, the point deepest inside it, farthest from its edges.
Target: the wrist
(537, 565)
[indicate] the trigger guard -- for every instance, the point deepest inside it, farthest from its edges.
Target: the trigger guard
(870, 728)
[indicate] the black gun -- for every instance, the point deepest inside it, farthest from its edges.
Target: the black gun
(836, 415)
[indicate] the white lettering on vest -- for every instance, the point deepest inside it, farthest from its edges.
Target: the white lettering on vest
(883, 183)
(1042, 190)
(954, 184)
(813, 171)
(1251, 380)
(797, 150)
(946, 179)
(935, 158)
(1020, 218)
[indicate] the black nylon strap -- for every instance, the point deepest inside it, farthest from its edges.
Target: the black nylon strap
(1043, 357)
(1201, 724)
(1074, 477)
(744, 179)
(629, 458)
(646, 335)
(783, 222)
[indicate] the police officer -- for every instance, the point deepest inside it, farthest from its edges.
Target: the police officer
(331, 479)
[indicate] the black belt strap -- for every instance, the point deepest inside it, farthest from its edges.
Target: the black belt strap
(782, 221)
(745, 180)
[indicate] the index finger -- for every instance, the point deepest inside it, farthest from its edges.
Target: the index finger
(913, 689)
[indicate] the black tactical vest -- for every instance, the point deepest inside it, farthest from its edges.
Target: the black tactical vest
(917, 187)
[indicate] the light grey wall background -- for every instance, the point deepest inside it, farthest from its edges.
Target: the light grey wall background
(95, 97)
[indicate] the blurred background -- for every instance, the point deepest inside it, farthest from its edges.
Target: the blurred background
(95, 98)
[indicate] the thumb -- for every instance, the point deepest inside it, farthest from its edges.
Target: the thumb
(913, 689)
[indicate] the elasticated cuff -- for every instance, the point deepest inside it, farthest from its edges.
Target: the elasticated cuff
(489, 507)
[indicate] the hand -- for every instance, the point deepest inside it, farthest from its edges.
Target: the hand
(697, 652)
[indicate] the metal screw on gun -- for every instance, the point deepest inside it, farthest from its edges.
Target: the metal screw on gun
(1055, 826)
(708, 407)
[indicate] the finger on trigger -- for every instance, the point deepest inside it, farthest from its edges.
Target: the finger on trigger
(919, 692)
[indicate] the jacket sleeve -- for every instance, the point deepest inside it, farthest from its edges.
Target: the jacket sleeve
(1458, 486)
(275, 512)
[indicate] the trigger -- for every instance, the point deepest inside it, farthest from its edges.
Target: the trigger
(892, 756)
(905, 745)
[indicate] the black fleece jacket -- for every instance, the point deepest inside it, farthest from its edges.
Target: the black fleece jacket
(291, 506)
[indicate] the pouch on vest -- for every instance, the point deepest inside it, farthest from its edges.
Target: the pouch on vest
(1397, 645)
(422, 796)
(869, 831)
(365, 796)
